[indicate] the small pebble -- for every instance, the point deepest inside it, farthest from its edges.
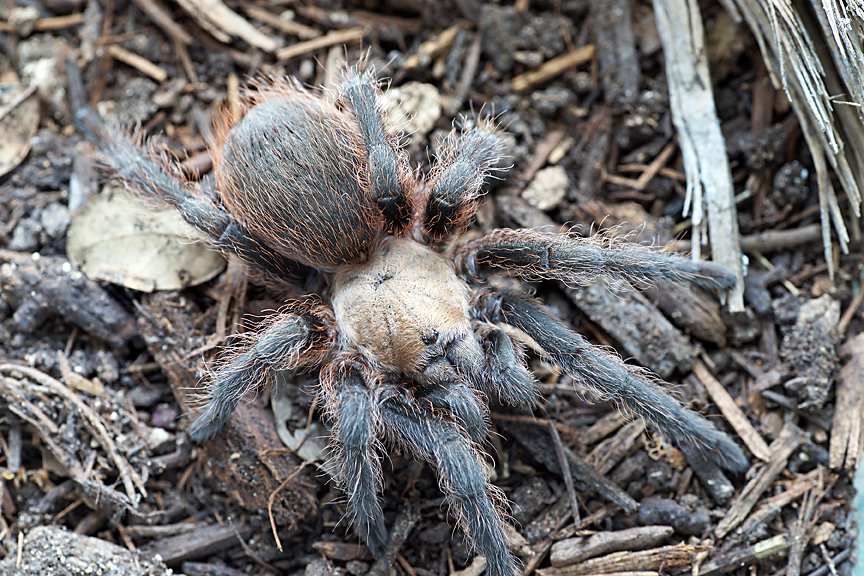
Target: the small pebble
(414, 108)
(55, 219)
(144, 396)
(165, 416)
(25, 237)
(548, 188)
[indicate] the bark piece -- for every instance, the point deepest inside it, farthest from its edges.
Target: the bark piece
(847, 432)
(198, 544)
(573, 550)
(642, 330)
(667, 558)
(245, 459)
(612, 24)
(691, 310)
(40, 286)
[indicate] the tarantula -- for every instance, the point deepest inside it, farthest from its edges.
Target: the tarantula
(408, 339)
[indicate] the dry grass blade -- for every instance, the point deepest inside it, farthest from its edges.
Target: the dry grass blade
(703, 148)
(131, 479)
(814, 53)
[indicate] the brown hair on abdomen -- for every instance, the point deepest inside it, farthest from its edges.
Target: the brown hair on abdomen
(289, 171)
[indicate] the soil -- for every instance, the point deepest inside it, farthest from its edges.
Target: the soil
(98, 379)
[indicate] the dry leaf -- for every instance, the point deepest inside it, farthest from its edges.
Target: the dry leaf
(117, 239)
(18, 126)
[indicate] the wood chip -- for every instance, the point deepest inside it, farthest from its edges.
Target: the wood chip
(573, 550)
(790, 438)
(745, 557)
(605, 426)
(214, 16)
(348, 36)
(736, 418)
(553, 68)
(607, 454)
(847, 432)
(138, 62)
(667, 558)
(642, 330)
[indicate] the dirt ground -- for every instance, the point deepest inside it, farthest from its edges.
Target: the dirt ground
(96, 368)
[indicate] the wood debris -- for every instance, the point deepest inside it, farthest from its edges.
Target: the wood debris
(99, 381)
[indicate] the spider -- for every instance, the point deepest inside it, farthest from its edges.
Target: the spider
(406, 327)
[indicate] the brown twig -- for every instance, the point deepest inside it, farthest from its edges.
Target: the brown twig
(736, 418)
(17, 101)
(272, 499)
(331, 39)
(128, 475)
(138, 62)
(565, 471)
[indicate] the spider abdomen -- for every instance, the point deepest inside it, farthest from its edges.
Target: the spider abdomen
(289, 171)
(401, 305)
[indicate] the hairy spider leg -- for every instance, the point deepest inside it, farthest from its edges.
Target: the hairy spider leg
(389, 178)
(456, 181)
(533, 255)
(298, 336)
(607, 374)
(353, 409)
(461, 474)
(495, 365)
(445, 390)
(136, 165)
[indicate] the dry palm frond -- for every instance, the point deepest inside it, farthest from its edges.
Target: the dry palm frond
(813, 50)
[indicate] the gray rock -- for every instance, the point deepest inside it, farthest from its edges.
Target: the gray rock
(53, 551)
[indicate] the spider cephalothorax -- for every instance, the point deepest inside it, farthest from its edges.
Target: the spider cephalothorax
(408, 340)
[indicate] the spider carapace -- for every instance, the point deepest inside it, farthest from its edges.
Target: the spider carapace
(407, 330)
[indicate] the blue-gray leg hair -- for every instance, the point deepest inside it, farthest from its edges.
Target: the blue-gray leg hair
(461, 475)
(295, 338)
(456, 181)
(353, 410)
(389, 177)
(606, 374)
(533, 255)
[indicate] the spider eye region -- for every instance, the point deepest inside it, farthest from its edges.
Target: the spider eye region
(400, 304)
(430, 337)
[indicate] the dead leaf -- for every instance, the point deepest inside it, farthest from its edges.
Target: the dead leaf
(18, 126)
(117, 239)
